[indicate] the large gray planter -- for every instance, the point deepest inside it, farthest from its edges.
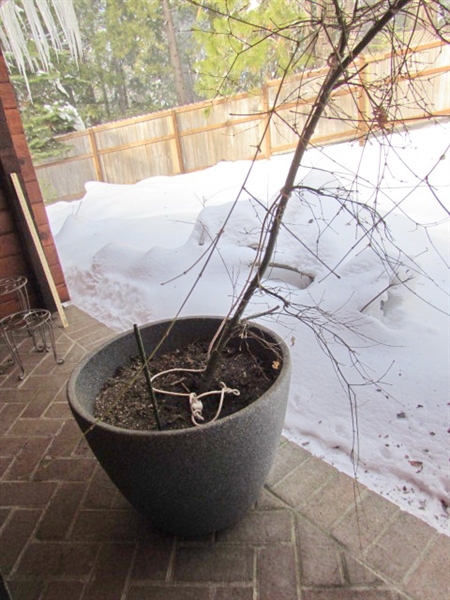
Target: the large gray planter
(190, 481)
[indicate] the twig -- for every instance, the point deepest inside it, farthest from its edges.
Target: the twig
(137, 334)
(383, 291)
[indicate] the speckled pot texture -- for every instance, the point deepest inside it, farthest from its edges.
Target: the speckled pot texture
(191, 481)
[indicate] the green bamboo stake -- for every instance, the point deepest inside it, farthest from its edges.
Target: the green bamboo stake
(137, 333)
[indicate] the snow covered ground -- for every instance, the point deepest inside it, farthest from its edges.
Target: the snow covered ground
(131, 254)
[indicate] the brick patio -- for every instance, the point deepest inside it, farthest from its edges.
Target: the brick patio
(67, 534)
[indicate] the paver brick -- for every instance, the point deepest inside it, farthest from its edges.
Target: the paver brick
(17, 395)
(400, 546)
(92, 339)
(332, 501)
(346, 594)
(303, 481)
(268, 501)
(51, 381)
(14, 536)
(9, 415)
(58, 559)
(431, 579)
(61, 397)
(324, 562)
(58, 410)
(67, 440)
(60, 512)
(11, 446)
(26, 493)
(110, 572)
(101, 491)
(5, 462)
(64, 590)
(25, 589)
(110, 525)
(319, 556)
(233, 593)
(276, 573)
(139, 592)
(120, 502)
(4, 514)
(82, 449)
(152, 559)
(74, 355)
(77, 320)
(289, 457)
(27, 459)
(40, 403)
(35, 427)
(262, 527)
(207, 540)
(65, 469)
(357, 573)
(364, 522)
(214, 564)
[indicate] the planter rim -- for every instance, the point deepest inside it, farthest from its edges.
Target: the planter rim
(73, 399)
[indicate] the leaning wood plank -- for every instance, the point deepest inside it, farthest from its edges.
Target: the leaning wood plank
(39, 249)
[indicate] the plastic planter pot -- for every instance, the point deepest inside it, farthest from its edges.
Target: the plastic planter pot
(190, 481)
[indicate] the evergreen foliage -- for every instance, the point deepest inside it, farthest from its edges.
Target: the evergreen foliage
(244, 45)
(224, 47)
(51, 110)
(125, 70)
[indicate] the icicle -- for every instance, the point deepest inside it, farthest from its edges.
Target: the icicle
(15, 43)
(13, 34)
(37, 33)
(69, 25)
(50, 25)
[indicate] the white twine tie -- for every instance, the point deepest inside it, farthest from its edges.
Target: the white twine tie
(195, 403)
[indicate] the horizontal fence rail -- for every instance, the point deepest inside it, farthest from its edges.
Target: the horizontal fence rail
(197, 136)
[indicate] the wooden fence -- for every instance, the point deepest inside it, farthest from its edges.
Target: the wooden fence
(193, 137)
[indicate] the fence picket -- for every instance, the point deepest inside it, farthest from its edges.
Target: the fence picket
(197, 136)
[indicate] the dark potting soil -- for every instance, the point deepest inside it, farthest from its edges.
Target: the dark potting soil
(125, 402)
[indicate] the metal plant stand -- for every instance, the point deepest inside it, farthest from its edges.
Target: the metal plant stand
(35, 322)
(18, 286)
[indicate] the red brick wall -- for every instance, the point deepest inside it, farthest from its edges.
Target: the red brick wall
(16, 255)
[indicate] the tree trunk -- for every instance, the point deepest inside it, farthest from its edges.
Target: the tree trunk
(180, 86)
(331, 82)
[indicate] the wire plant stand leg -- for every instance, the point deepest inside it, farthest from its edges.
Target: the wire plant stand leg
(15, 356)
(38, 324)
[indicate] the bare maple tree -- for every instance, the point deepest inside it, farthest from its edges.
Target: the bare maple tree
(332, 36)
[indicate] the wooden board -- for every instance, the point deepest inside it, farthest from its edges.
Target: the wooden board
(38, 246)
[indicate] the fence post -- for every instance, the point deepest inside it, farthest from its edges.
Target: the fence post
(95, 156)
(178, 147)
(267, 122)
(363, 101)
